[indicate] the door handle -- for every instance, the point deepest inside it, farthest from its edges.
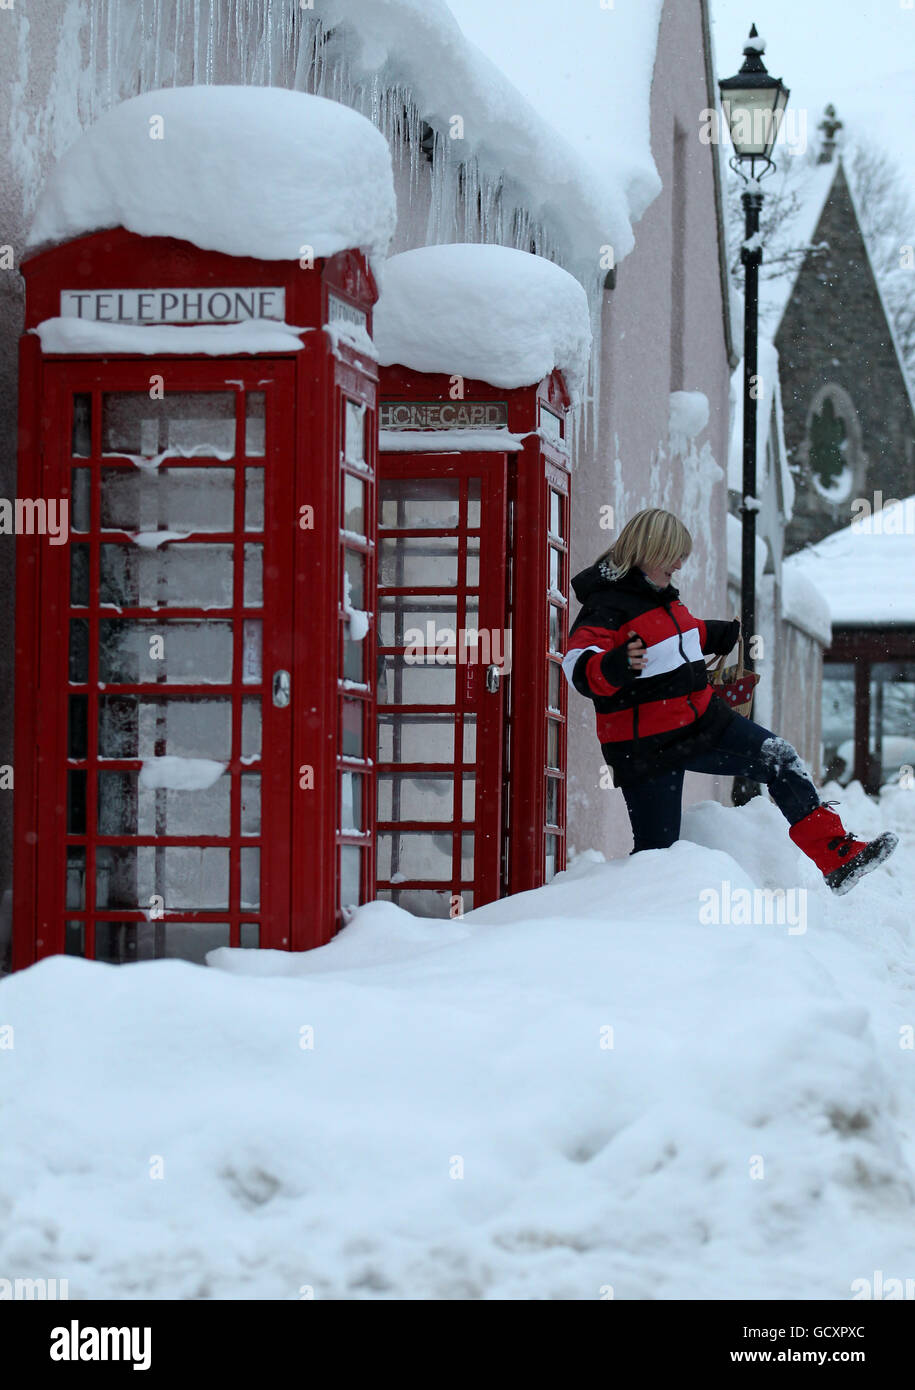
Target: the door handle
(493, 677)
(281, 689)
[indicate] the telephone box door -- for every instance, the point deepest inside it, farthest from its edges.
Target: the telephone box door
(442, 642)
(164, 717)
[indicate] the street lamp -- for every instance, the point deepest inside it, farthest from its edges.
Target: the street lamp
(754, 105)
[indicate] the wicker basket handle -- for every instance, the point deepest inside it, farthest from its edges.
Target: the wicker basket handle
(716, 676)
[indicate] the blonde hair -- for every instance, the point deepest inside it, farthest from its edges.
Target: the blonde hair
(649, 539)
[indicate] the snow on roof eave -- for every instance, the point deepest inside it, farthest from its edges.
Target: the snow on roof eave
(883, 304)
(445, 72)
(822, 177)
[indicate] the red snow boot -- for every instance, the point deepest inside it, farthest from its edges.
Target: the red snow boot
(841, 858)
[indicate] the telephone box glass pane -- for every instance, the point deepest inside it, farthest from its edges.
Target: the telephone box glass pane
(415, 854)
(79, 651)
(350, 876)
(550, 852)
(125, 807)
(80, 512)
(184, 500)
(81, 432)
(251, 669)
(398, 613)
(406, 796)
(168, 576)
(184, 875)
(76, 876)
(177, 650)
(354, 432)
(415, 502)
(350, 802)
(552, 743)
(473, 561)
(79, 576)
(555, 628)
(254, 576)
(351, 743)
(473, 502)
(552, 800)
(556, 513)
(76, 802)
(409, 561)
(468, 796)
(254, 423)
(75, 939)
(470, 738)
(555, 568)
(250, 877)
(415, 738)
(554, 678)
(405, 683)
(120, 943)
(250, 935)
(254, 499)
(251, 803)
(250, 729)
(78, 727)
(354, 569)
(353, 504)
(353, 656)
(204, 421)
(145, 726)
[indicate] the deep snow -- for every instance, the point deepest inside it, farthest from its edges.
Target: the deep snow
(251, 171)
(454, 1125)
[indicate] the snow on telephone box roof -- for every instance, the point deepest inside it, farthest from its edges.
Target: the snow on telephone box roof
(250, 171)
(491, 313)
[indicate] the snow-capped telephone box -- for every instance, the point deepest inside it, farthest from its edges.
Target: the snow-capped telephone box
(473, 516)
(194, 697)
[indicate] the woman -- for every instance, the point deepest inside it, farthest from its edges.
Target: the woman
(637, 652)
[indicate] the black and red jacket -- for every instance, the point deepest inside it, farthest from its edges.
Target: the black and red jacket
(649, 720)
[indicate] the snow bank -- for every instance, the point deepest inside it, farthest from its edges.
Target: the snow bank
(251, 171)
(491, 313)
(592, 1084)
(210, 340)
(803, 605)
(866, 571)
(587, 190)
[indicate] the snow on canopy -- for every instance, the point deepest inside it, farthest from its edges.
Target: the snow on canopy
(491, 313)
(251, 171)
(866, 571)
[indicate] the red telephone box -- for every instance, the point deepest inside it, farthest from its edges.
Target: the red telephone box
(195, 674)
(473, 534)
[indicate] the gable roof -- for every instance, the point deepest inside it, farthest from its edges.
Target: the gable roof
(776, 293)
(866, 571)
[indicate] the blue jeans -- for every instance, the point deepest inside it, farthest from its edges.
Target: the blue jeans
(745, 749)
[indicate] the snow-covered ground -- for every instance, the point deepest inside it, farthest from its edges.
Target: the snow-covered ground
(586, 1087)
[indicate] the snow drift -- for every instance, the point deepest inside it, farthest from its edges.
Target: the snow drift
(251, 171)
(588, 1086)
(491, 313)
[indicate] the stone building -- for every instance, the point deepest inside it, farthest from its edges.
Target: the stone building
(849, 416)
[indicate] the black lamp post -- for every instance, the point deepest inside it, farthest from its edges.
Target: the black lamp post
(754, 104)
